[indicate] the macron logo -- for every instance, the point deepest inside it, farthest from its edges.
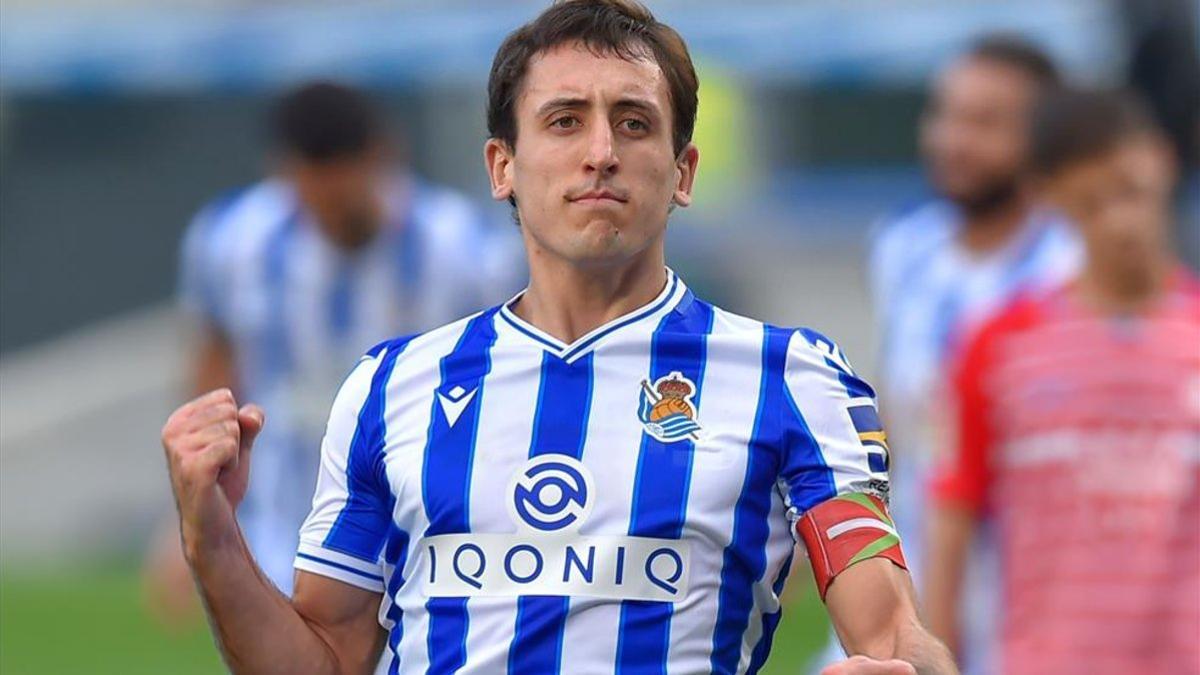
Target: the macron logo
(454, 402)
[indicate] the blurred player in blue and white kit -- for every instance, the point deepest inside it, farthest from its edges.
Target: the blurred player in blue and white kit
(939, 268)
(605, 474)
(290, 279)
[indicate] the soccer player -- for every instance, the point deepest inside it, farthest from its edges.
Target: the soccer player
(940, 268)
(1078, 422)
(289, 280)
(604, 474)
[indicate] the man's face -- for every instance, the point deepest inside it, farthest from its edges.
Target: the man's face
(974, 134)
(1121, 202)
(593, 172)
(343, 195)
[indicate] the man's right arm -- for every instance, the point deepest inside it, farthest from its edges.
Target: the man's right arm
(328, 628)
(959, 488)
(951, 530)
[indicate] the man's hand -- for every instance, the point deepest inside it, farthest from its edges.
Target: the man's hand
(862, 665)
(207, 443)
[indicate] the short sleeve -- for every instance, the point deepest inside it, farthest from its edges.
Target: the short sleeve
(961, 475)
(344, 534)
(833, 440)
(200, 275)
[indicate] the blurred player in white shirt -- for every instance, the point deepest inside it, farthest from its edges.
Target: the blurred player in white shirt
(288, 280)
(939, 268)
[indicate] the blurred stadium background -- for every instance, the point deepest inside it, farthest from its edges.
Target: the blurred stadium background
(118, 118)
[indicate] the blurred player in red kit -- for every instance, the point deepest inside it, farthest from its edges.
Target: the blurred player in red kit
(1078, 419)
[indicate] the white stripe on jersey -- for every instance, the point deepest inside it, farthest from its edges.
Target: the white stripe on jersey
(547, 478)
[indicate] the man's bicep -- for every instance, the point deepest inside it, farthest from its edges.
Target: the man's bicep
(870, 603)
(344, 616)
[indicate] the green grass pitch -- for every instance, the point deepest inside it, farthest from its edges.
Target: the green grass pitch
(91, 621)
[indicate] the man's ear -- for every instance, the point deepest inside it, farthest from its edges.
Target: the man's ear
(685, 175)
(497, 155)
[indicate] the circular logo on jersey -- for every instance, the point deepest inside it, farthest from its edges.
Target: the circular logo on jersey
(552, 492)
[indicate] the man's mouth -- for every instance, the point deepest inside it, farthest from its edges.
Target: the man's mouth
(598, 196)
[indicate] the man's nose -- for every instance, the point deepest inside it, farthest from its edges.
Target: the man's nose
(601, 151)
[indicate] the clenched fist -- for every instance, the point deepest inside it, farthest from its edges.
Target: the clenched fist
(207, 442)
(862, 665)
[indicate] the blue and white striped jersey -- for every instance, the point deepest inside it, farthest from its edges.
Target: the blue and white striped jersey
(624, 503)
(297, 308)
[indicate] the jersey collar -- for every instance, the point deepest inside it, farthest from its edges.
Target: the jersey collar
(672, 294)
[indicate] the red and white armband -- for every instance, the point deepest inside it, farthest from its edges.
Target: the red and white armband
(845, 530)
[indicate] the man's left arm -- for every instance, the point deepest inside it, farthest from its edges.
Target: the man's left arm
(835, 482)
(873, 611)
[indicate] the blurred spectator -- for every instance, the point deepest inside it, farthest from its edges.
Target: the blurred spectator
(1165, 68)
(290, 280)
(941, 266)
(1078, 422)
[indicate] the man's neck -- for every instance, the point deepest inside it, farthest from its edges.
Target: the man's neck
(1112, 294)
(569, 301)
(988, 231)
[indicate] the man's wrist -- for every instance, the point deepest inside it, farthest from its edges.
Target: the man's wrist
(205, 545)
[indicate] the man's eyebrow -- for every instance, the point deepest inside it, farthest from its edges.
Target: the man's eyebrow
(637, 103)
(561, 102)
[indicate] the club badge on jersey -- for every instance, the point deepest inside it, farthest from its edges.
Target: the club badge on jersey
(667, 410)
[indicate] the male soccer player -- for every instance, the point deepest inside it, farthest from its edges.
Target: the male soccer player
(1078, 423)
(605, 474)
(943, 266)
(289, 280)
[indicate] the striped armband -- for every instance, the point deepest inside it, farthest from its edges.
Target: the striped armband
(845, 530)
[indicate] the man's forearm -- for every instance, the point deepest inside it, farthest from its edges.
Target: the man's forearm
(929, 656)
(257, 629)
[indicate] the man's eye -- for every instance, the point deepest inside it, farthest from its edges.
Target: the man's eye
(635, 125)
(564, 122)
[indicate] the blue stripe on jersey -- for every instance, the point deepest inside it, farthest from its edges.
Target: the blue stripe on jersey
(770, 621)
(275, 355)
(664, 474)
(362, 525)
(446, 479)
(396, 554)
(808, 476)
(856, 387)
(340, 566)
(745, 558)
(560, 426)
(410, 253)
(341, 300)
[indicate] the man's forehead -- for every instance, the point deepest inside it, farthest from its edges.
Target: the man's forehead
(574, 71)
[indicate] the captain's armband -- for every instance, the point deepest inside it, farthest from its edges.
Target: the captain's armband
(845, 530)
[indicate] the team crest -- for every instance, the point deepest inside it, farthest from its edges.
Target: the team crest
(666, 409)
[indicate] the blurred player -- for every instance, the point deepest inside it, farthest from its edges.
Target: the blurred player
(605, 474)
(290, 279)
(1078, 423)
(939, 268)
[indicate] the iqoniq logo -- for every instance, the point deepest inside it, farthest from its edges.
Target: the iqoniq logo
(549, 499)
(551, 493)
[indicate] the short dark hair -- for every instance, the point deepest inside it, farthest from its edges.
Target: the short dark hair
(621, 27)
(1072, 125)
(325, 121)
(1014, 51)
